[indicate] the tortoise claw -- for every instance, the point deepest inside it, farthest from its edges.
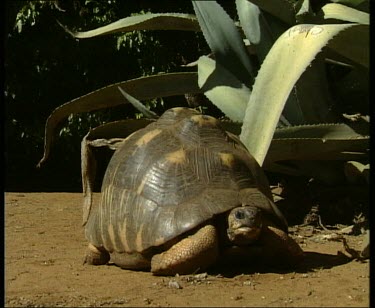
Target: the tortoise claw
(96, 256)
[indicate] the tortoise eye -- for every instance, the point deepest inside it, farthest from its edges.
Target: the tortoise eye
(239, 215)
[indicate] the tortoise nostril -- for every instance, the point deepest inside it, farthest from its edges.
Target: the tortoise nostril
(239, 215)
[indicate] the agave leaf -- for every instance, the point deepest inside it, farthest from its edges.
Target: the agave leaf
(249, 15)
(345, 13)
(305, 14)
(117, 129)
(352, 3)
(282, 9)
(144, 88)
(224, 40)
(262, 30)
(304, 8)
(353, 44)
(324, 131)
(148, 21)
(317, 142)
(290, 55)
(222, 88)
(313, 149)
(256, 27)
(138, 105)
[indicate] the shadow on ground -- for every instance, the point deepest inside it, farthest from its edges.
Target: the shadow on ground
(311, 262)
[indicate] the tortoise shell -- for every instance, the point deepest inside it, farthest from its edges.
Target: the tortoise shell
(172, 176)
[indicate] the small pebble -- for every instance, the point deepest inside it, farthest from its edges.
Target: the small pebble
(288, 301)
(201, 276)
(237, 297)
(174, 284)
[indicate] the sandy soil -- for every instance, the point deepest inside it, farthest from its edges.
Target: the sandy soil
(45, 246)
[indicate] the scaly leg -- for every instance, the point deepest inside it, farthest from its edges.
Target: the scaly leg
(279, 249)
(96, 255)
(191, 254)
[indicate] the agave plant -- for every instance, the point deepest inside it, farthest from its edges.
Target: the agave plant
(265, 73)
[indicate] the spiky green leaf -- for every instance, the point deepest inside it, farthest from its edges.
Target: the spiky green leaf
(282, 9)
(256, 27)
(352, 3)
(284, 64)
(222, 88)
(148, 21)
(317, 142)
(138, 105)
(143, 88)
(345, 13)
(117, 129)
(224, 39)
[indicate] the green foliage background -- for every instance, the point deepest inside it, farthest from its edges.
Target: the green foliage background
(45, 67)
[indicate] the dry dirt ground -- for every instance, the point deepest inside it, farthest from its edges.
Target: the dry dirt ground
(45, 246)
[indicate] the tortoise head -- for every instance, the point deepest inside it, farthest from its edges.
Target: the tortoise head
(244, 225)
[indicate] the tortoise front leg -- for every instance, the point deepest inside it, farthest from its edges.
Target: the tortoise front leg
(191, 254)
(279, 249)
(96, 255)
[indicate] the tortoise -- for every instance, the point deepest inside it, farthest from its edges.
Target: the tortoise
(180, 193)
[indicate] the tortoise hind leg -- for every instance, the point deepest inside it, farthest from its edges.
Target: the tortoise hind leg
(191, 254)
(134, 261)
(96, 255)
